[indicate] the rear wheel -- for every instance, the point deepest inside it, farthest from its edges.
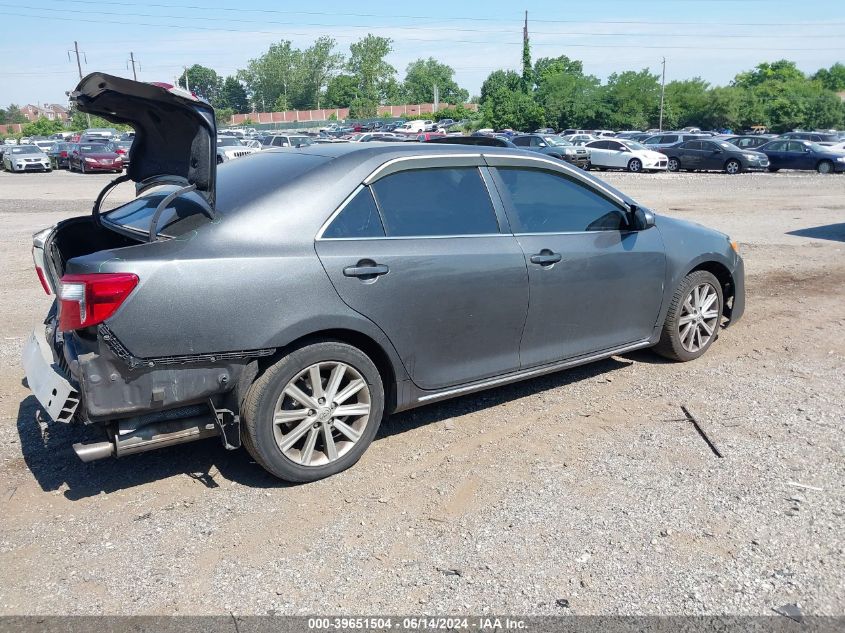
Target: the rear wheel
(825, 167)
(674, 164)
(692, 322)
(635, 165)
(313, 413)
(733, 166)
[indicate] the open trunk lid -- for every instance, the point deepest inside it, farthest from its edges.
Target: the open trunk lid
(175, 132)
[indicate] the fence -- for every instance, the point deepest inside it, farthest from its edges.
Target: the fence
(12, 128)
(340, 114)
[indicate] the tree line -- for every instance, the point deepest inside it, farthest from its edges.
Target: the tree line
(549, 92)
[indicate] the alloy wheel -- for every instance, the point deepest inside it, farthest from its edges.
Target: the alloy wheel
(673, 164)
(824, 167)
(699, 317)
(321, 413)
(732, 167)
(635, 165)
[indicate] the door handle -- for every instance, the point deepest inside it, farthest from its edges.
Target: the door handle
(366, 269)
(546, 257)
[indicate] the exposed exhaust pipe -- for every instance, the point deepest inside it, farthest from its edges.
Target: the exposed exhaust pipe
(149, 437)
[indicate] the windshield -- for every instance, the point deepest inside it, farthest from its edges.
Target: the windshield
(556, 141)
(300, 140)
(725, 145)
(94, 148)
(228, 141)
(635, 146)
(816, 147)
(26, 149)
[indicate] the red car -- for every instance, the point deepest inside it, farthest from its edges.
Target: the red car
(85, 157)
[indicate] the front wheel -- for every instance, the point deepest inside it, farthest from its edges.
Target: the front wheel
(733, 166)
(314, 412)
(673, 165)
(692, 322)
(635, 165)
(825, 167)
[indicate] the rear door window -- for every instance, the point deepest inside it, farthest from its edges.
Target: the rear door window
(547, 202)
(358, 219)
(435, 202)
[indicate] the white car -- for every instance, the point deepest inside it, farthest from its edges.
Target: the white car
(414, 127)
(629, 155)
(44, 146)
(229, 147)
(838, 147)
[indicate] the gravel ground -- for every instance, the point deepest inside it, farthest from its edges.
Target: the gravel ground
(588, 485)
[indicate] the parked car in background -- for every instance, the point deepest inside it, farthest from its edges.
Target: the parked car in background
(98, 133)
(414, 127)
(88, 157)
(628, 155)
(554, 146)
(630, 135)
(750, 141)
(320, 302)
(285, 140)
(668, 139)
(427, 136)
(822, 138)
(369, 137)
(59, 154)
(545, 130)
(805, 155)
(707, 155)
(44, 145)
(479, 140)
(579, 139)
(838, 147)
(121, 148)
(230, 147)
(20, 158)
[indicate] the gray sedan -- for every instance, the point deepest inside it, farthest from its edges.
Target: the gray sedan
(287, 301)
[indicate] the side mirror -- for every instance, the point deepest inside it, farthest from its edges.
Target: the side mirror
(643, 217)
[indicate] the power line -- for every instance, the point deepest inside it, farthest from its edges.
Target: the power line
(423, 39)
(241, 10)
(402, 27)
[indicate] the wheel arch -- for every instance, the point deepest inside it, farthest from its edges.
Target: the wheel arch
(372, 348)
(723, 275)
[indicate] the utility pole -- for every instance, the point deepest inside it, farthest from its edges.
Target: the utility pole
(132, 61)
(436, 98)
(662, 93)
(79, 68)
(187, 87)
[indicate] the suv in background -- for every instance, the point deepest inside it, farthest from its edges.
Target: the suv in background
(555, 147)
(285, 140)
(670, 139)
(822, 138)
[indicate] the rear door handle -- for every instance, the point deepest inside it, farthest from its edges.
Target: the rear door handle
(366, 269)
(546, 257)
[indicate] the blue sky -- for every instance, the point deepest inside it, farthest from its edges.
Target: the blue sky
(713, 39)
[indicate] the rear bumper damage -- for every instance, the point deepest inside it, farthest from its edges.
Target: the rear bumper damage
(142, 404)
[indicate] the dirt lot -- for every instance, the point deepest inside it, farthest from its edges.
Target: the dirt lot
(586, 485)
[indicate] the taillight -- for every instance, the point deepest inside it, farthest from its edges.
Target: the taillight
(86, 300)
(63, 154)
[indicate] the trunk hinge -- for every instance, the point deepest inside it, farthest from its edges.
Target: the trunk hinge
(102, 196)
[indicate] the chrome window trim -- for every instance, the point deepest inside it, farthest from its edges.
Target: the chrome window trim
(389, 167)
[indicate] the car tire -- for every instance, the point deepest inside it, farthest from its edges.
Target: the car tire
(274, 445)
(733, 166)
(674, 164)
(635, 165)
(825, 167)
(684, 330)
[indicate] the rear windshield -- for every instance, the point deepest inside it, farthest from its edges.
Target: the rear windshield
(240, 183)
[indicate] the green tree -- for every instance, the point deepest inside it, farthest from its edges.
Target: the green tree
(233, 96)
(832, 78)
(571, 100)
(767, 73)
(14, 114)
(341, 91)
(499, 79)
(550, 66)
(512, 108)
(632, 100)
(686, 103)
(320, 63)
(423, 74)
(223, 116)
(42, 127)
(277, 73)
(367, 64)
(203, 82)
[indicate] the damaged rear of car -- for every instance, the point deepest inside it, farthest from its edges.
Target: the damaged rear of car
(75, 365)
